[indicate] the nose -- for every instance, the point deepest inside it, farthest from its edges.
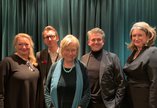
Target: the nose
(70, 52)
(23, 46)
(136, 38)
(96, 41)
(49, 38)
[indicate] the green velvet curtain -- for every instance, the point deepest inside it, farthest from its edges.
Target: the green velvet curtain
(75, 17)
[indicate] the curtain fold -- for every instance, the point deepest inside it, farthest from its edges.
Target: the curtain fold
(75, 17)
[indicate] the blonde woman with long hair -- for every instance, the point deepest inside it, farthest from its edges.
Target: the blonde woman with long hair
(19, 75)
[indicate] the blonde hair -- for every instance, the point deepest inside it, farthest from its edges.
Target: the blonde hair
(31, 55)
(49, 28)
(145, 27)
(67, 40)
(96, 30)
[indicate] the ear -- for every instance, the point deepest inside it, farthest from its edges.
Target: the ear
(104, 41)
(57, 38)
(88, 42)
(15, 48)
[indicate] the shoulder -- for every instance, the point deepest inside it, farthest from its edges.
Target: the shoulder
(8, 58)
(109, 54)
(152, 49)
(85, 58)
(44, 52)
(7, 62)
(85, 55)
(110, 57)
(150, 56)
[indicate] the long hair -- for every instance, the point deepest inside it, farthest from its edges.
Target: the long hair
(31, 54)
(149, 31)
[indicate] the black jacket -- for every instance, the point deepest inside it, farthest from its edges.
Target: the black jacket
(111, 79)
(142, 78)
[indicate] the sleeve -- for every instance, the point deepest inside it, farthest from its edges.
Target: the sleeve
(40, 93)
(152, 72)
(38, 56)
(38, 60)
(48, 101)
(4, 70)
(119, 81)
(86, 89)
(113, 83)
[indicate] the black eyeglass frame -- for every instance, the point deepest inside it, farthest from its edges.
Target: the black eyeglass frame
(50, 36)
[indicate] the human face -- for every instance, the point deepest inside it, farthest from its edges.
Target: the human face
(139, 38)
(96, 42)
(69, 53)
(50, 38)
(23, 46)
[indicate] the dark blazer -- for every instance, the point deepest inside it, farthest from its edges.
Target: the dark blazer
(44, 64)
(142, 78)
(111, 79)
(44, 61)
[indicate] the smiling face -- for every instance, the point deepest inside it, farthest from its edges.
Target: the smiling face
(23, 46)
(69, 53)
(96, 41)
(69, 47)
(50, 38)
(139, 38)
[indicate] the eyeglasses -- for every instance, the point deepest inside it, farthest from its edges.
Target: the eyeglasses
(49, 36)
(23, 44)
(70, 50)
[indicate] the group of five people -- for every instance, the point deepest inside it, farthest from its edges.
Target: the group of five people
(56, 78)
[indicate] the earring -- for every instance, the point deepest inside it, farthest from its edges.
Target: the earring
(146, 44)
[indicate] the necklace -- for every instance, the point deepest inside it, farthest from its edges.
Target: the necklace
(30, 66)
(69, 70)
